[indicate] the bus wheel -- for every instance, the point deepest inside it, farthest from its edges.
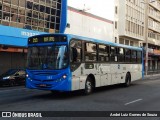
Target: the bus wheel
(127, 80)
(88, 86)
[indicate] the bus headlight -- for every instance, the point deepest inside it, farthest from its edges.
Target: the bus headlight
(5, 78)
(27, 75)
(64, 76)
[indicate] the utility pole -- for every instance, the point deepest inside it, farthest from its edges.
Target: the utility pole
(146, 35)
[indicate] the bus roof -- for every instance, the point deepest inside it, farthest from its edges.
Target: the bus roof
(70, 36)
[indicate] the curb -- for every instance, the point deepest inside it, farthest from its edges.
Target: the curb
(153, 75)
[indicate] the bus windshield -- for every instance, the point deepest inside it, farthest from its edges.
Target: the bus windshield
(47, 57)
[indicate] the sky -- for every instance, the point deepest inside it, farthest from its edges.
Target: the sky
(102, 8)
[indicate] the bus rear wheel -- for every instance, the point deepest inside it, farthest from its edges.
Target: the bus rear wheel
(127, 80)
(88, 86)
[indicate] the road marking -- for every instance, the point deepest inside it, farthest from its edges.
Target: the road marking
(133, 101)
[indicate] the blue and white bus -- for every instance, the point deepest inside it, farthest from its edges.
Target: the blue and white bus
(64, 62)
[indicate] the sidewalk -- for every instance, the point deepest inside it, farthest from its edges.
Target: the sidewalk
(152, 74)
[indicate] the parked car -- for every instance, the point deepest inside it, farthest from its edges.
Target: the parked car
(13, 77)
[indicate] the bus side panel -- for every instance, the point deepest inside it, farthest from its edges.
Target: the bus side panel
(105, 74)
(75, 83)
(78, 78)
(136, 74)
(94, 70)
(119, 71)
(117, 75)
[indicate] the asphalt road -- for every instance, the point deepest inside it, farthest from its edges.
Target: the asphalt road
(142, 95)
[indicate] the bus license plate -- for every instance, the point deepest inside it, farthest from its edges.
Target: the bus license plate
(42, 85)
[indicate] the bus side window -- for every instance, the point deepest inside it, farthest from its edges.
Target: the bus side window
(74, 54)
(134, 56)
(75, 51)
(103, 53)
(139, 57)
(113, 53)
(127, 55)
(120, 55)
(90, 52)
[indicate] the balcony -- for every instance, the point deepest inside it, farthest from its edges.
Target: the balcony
(155, 5)
(153, 16)
(157, 29)
(153, 41)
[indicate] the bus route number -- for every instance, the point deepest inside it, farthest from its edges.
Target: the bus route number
(48, 39)
(35, 40)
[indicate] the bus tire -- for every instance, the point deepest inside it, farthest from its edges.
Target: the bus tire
(88, 86)
(127, 80)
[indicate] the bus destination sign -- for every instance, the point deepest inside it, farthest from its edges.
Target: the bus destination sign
(46, 39)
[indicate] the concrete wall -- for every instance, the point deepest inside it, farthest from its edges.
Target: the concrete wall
(89, 25)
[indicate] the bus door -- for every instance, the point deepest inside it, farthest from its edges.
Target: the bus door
(105, 75)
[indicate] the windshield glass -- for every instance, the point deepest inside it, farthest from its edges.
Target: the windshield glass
(10, 72)
(47, 57)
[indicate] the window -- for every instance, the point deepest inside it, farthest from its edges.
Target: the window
(127, 55)
(116, 10)
(76, 51)
(14, 2)
(22, 3)
(115, 25)
(126, 42)
(7, 1)
(134, 56)
(131, 43)
(121, 54)
(115, 39)
(113, 54)
(103, 53)
(121, 41)
(139, 57)
(90, 52)
(26, 13)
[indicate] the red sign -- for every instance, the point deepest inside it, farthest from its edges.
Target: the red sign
(156, 52)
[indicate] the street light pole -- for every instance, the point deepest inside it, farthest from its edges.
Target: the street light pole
(146, 35)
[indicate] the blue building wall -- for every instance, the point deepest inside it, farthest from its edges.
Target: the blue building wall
(15, 36)
(63, 22)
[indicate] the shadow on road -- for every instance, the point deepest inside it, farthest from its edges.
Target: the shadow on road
(75, 94)
(27, 95)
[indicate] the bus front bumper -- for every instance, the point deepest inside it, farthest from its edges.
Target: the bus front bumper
(63, 85)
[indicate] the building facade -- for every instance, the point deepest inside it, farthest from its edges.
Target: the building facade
(137, 23)
(153, 37)
(20, 19)
(129, 22)
(88, 25)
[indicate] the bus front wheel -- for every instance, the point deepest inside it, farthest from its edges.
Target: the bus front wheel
(127, 80)
(88, 86)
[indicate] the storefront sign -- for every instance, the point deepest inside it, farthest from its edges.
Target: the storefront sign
(156, 52)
